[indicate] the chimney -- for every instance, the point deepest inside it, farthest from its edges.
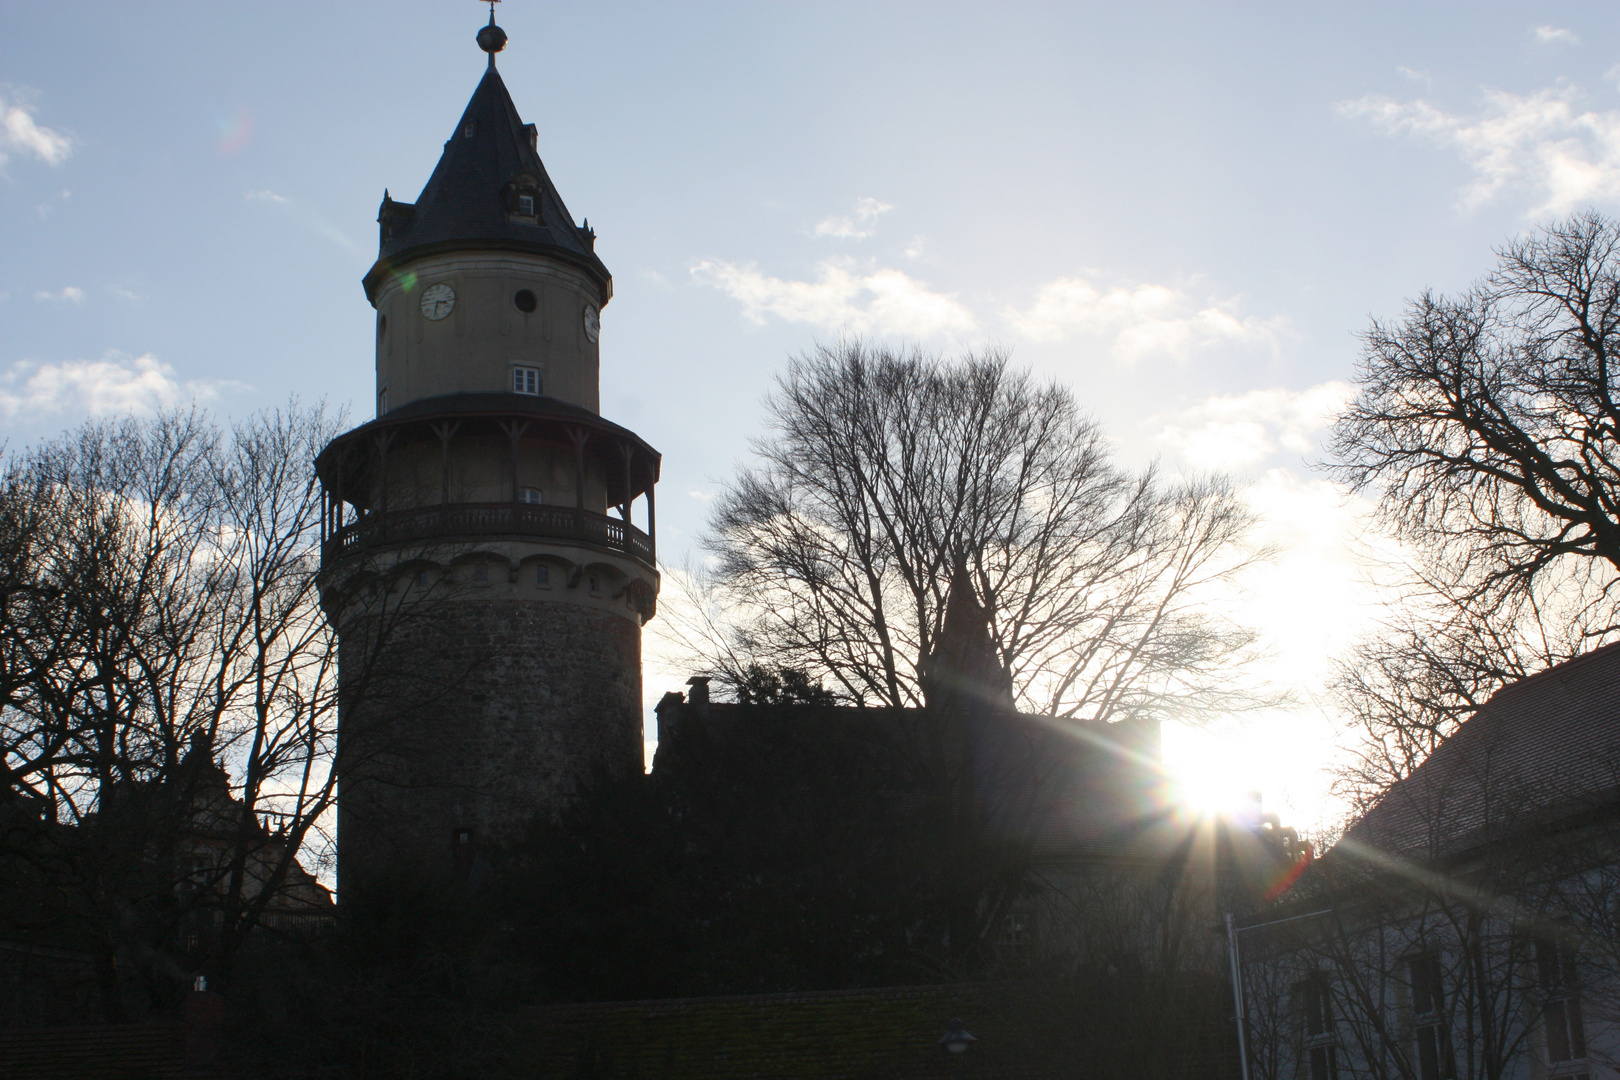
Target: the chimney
(667, 711)
(699, 694)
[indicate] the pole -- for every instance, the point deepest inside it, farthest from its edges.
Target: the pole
(1237, 976)
(1237, 995)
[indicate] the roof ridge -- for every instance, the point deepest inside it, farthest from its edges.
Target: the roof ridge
(1562, 667)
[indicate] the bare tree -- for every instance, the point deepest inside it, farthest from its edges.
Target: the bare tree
(1486, 428)
(886, 467)
(159, 619)
(1434, 660)
(1486, 423)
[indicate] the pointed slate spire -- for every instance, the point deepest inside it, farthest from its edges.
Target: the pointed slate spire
(964, 666)
(489, 190)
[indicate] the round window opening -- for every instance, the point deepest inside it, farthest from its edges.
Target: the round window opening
(524, 301)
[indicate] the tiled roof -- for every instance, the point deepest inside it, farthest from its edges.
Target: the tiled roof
(890, 1034)
(100, 1052)
(463, 204)
(1544, 748)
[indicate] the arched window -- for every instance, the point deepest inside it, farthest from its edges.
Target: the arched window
(530, 495)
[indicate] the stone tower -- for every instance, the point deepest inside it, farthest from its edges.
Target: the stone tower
(488, 605)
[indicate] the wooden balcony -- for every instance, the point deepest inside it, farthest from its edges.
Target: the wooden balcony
(457, 522)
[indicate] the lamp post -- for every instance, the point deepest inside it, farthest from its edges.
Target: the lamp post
(1242, 1014)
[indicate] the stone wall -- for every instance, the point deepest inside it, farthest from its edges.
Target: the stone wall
(477, 714)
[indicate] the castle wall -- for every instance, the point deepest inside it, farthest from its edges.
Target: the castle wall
(488, 708)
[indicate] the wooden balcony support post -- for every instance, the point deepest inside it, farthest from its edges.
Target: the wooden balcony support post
(628, 453)
(444, 429)
(579, 437)
(652, 515)
(338, 497)
(514, 430)
(384, 440)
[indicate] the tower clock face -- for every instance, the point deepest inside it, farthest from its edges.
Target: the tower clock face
(438, 301)
(593, 323)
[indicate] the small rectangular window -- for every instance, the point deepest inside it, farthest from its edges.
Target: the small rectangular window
(525, 380)
(1434, 1058)
(1317, 1001)
(1318, 1007)
(469, 129)
(481, 574)
(595, 583)
(526, 205)
(542, 577)
(1564, 1027)
(382, 401)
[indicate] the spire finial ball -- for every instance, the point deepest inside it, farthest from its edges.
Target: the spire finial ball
(491, 38)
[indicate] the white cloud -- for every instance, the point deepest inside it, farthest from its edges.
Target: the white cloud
(70, 294)
(269, 197)
(1538, 143)
(844, 295)
(1556, 35)
(1141, 320)
(1417, 76)
(115, 384)
(1230, 432)
(859, 226)
(19, 134)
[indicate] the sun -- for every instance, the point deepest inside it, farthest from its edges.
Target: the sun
(1206, 775)
(1209, 792)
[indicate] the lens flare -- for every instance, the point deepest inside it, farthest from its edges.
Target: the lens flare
(235, 133)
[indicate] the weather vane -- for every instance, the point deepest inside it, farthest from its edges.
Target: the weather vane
(491, 38)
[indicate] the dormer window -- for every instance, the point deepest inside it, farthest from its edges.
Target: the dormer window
(469, 129)
(522, 198)
(526, 380)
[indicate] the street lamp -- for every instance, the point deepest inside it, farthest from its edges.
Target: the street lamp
(956, 1038)
(1242, 1017)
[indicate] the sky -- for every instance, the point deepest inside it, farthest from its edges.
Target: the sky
(1184, 212)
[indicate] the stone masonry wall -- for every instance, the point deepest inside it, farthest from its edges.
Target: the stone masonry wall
(483, 714)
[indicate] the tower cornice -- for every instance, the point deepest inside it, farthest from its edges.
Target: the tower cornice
(399, 265)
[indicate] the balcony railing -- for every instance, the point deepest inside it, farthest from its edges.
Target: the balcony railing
(457, 521)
